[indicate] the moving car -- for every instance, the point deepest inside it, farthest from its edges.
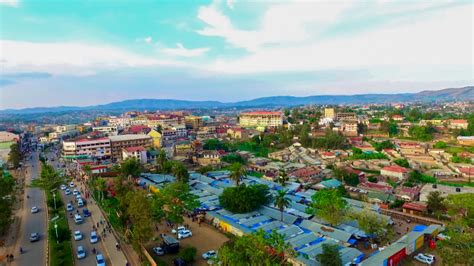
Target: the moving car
(94, 237)
(67, 191)
(81, 252)
(63, 187)
(184, 234)
(34, 209)
(210, 254)
(423, 259)
(80, 203)
(71, 184)
(100, 260)
(74, 192)
(78, 218)
(77, 235)
(86, 212)
(34, 237)
(69, 207)
(177, 230)
(159, 251)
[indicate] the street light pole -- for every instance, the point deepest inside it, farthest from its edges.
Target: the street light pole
(54, 197)
(56, 228)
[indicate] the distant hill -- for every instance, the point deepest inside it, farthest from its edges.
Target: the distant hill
(445, 95)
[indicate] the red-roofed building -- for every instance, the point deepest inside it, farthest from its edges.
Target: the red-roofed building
(137, 152)
(395, 171)
(397, 117)
(414, 208)
(328, 155)
(408, 193)
(466, 171)
(458, 124)
(376, 187)
(138, 129)
(306, 174)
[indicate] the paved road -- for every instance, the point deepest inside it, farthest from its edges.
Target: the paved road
(34, 253)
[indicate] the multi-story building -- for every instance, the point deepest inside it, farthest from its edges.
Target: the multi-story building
(329, 113)
(261, 119)
(349, 128)
(346, 116)
(156, 136)
(395, 171)
(193, 122)
(107, 130)
(120, 142)
(99, 147)
(138, 152)
(458, 124)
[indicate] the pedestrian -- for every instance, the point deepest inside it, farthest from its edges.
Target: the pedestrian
(97, 224)
(12, 257)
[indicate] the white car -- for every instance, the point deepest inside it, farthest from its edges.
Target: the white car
(74, 192)
(63, 187)
(431, 256)
(34, 209)
(81, 252)
(442, 236)
(71, 184)
(423, 259)
(179, 229)
(210, 254)
(67, 191)
(77, 235)
(159, 251)
(184, 234)
(100, 260)
(94, 238)
(69, 207)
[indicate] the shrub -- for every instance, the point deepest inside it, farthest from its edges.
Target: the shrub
(243, 199)
(188, 254)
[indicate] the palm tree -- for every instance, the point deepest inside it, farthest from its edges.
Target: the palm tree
(180, 172)
(281, 201)
(161, 158)
(282, 178)
(238, 170)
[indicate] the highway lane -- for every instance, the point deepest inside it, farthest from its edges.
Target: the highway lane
(85, 227)
(34, 253)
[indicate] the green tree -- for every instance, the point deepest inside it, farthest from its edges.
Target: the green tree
(243, 199)
(328, 205)
(49, 178)
(237, 172)
(173, 201)
(161, 159)
(402, 162)
(330, 255)
(282, 201)
(140, 214)
(188, 254)
(376, 226)
(180, 172)
(6, 201)
(282, 178)
(205, 169)
(130, 168)
(436, 203)
(14, 156)
(440, 145)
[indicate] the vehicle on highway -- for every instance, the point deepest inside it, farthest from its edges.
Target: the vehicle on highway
(184, 234)
(69, 207)
(177, 230)
(63, 187)
(94, 238)
(74, 192)
(34, 237)
(78, 218)
(86, 212)
(80, 203)
(81, 252)
(210, 254)
(71, 184)
(77, 235)
(34, 209)
(67, 191)
(423, 259)
(99, 258)
(159, 251)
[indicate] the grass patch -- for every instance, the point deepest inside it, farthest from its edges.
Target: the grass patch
(60, 246)
(455, 184)
(6, 144)
(256, 174)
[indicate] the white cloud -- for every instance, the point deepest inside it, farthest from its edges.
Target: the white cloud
(230, 4)
(12, 3)
(148, 39)
(181, 51)
(282, 23)
(443, 37)
(71, 58)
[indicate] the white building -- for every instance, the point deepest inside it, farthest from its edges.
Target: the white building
(108, 130)
(138, 153)
(91, 147)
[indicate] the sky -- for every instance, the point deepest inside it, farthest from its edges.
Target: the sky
(86, 52)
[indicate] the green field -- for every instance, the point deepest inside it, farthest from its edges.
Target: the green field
(6, 145)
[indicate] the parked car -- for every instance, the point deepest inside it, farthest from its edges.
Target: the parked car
(159, 251)
(34, 237)
(94, 237)
(431, 256)
(442, 236)
(81, 252)
(78, 218)
(71, 184)
(184, 234)
(69, 207)
(423, 259)
(67, 191)
(210, 254)
(99, 258)
(34, 209)
(179, 262)
(74, 192)
(77, 235)
(177, 230)
(80, 203)
(86, 212)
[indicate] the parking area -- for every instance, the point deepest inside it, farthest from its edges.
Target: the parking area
(204, 238)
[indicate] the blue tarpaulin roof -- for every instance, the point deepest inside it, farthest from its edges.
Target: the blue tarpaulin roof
(419, 228)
